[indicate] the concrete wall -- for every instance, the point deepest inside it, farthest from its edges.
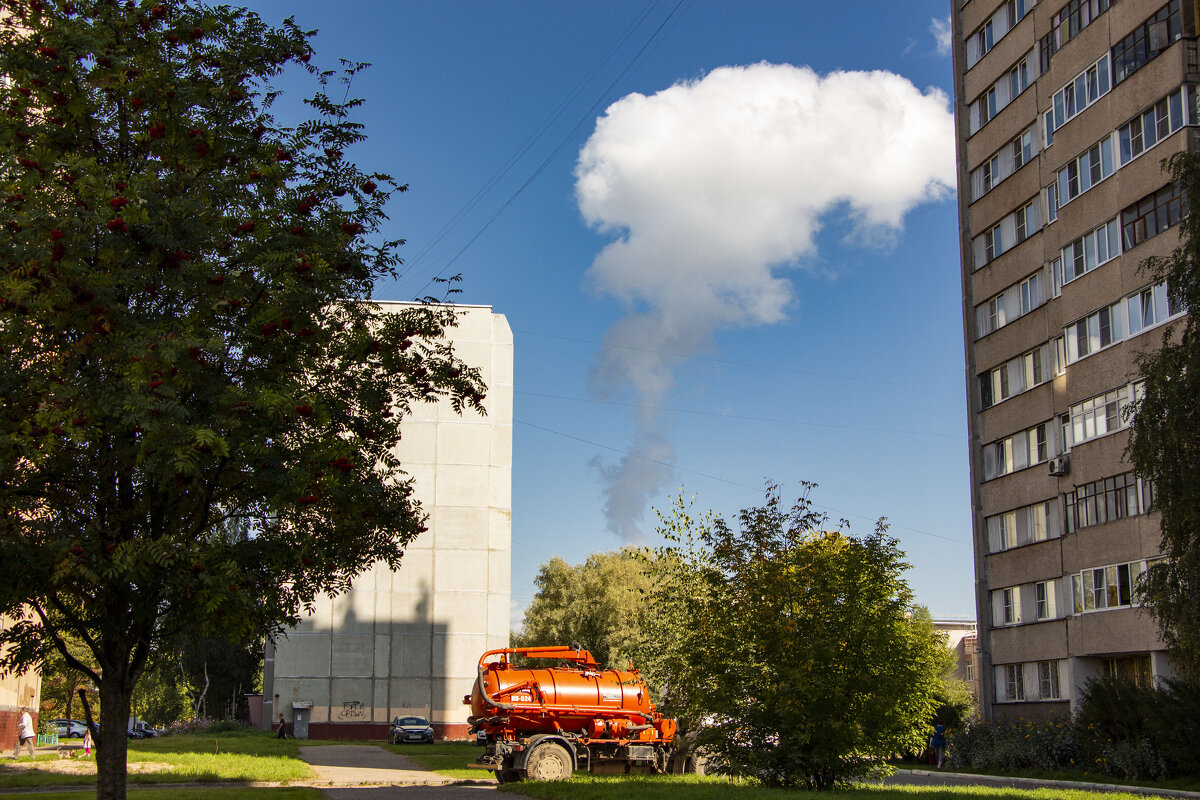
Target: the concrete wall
(407, 642)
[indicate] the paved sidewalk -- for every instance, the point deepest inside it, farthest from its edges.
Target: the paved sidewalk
(358, 765)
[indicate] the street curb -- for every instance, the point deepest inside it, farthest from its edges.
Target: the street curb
(1033, 782)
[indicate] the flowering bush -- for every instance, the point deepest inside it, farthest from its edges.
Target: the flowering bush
(205, 725)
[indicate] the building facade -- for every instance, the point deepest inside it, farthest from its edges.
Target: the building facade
(1065, 110)
(408, 642)
(17, 690)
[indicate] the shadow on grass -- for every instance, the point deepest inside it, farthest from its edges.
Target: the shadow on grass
(689, 787)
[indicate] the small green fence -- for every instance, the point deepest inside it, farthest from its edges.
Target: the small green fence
(47, 738)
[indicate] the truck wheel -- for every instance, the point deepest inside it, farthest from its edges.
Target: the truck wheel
(548, 762)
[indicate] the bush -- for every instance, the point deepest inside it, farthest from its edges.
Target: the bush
(205, 725)
(1120, 729)
(1018, 744)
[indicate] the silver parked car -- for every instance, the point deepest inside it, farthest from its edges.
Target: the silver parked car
(69, 728)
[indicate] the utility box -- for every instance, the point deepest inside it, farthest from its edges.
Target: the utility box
(301, 713)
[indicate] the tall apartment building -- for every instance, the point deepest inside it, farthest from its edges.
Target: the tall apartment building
(408, 642)
(1065, 111)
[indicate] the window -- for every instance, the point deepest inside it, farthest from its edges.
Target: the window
(1014, 686)
(1022, 449)
(1095, 332)
(1031, 293)
(1099, 415)
(1025, 222)
(1153, 125)
(1012, 229)
(1044, 598)
(1107, 500)
(1134, 668)
(1010, 608)
(1003, 163)
(1022, 526)
(1084, 172)
(1066, 25)
(1048, 680)
(1113, 586)
(1147, 41)
(996, 97)
(993, 30)
(1152, 306)
(1152, 215)
(1084, 89)
(1022, 149)
(1086, 253)
(1028, 370)
(1016, 301)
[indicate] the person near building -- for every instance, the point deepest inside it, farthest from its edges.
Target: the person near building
(282, 734)
(25, 733)
(937, 743)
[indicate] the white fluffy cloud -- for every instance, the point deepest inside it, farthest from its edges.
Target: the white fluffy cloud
(715, 186)
(940, 28)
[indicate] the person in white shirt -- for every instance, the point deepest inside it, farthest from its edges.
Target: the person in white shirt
(25, 734)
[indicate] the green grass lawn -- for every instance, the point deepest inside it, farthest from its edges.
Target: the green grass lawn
(691, 787)
(444, 758)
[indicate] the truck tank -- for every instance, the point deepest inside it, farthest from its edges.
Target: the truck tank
(545, 723)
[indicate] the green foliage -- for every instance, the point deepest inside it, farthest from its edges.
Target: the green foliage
(796, 646)
(1120, 729)
(1164, 443)
(199, 406)
(598, 604)
(1016, 744)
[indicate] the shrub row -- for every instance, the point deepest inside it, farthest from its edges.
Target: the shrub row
(1120, 729)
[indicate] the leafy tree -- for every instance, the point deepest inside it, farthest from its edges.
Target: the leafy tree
(1164, 444)
(796, 644)
(161, 696)
(597, 603)
(186, 340)
(61, 682)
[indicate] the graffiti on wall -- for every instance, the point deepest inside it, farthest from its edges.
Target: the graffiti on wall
(352, 709)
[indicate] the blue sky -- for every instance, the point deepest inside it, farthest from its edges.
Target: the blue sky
(803, 324)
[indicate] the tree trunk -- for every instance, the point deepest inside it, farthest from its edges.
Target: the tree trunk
(112, 749)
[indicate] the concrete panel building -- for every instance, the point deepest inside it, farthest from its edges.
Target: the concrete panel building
(1064, 111)
(407, 642)
(17, 690)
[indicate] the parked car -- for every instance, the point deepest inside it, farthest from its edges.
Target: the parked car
(143, 730)
(69, 728)
(410, 729)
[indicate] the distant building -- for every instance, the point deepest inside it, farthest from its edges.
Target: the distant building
(408, 642)
(17, 690)
(960, 637)
(1064, 111)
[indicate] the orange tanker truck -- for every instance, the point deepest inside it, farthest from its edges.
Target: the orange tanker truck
(543, 724)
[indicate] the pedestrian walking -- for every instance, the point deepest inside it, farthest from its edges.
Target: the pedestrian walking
(282, 733)
(25, 734)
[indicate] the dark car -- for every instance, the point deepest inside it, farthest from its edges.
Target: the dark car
(410, 729)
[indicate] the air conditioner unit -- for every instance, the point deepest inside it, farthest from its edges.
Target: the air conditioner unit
(1060, 465)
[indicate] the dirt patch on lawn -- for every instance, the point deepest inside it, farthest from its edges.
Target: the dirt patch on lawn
(79, 766)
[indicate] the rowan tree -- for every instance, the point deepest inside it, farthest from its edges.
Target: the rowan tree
(793, 648)
(187, 345)
(1164, 443)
